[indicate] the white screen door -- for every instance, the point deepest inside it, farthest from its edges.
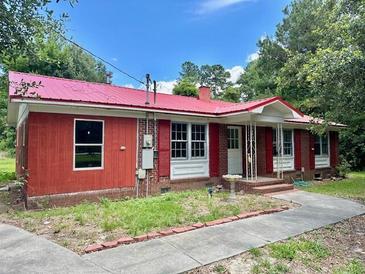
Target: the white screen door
(234, 144)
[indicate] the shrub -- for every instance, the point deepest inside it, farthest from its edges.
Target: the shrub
(343, 168)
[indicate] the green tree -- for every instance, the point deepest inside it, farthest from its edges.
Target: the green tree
(316, 61)
(185, 88)
(29, 42)
(231, 94)
(215, 77)
(190, 72)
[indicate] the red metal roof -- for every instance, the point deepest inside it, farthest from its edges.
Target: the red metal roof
(76, 91)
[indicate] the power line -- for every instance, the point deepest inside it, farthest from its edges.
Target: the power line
(101, 59)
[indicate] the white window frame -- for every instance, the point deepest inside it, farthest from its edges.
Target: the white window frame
(321, 154)
(292, 142)
(229, 139)
(288, 159)
(74, 146)
(323, 160)
(189, 142)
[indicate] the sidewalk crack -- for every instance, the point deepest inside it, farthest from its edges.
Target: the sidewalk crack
(182, 251)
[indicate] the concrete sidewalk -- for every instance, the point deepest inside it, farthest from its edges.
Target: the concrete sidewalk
(23, 252)
(182, 252)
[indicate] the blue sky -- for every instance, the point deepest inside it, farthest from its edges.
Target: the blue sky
(157, 36)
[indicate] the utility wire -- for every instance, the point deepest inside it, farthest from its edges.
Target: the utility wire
(101, 59)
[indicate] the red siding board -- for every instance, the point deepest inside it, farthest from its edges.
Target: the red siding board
(334, 148)
(269, 148)
(297, 149)
(214, 150)
(51, 155)
(311, 152)
(164, 148)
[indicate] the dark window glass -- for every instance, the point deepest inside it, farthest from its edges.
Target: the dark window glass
(325, 145)
(88, 132)
(179, 140)
(233, 139)
(317, 145)
(88, 156)
(288, 142)
(197, 140)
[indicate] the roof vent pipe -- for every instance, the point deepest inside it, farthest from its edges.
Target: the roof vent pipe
(154, 91)
(148, 81)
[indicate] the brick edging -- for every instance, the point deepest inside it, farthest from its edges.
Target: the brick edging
(177, 230)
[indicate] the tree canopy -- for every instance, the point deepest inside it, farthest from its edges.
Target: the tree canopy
(29, 42)
(316, 60)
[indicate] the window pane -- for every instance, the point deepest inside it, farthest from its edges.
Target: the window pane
(287, 142)
(325, 144)
(233, 138)
(88, 132)
(88, 156)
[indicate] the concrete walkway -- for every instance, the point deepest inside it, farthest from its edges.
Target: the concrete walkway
(22, 252)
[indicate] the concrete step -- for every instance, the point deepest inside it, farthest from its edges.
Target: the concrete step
(272, 188)
(264, 183)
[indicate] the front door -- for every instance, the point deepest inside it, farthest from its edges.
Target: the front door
(234, 140)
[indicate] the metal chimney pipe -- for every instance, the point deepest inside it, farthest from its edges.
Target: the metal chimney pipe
(148, 80)
(154, 91)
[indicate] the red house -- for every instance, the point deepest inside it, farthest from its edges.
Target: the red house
(78, 140)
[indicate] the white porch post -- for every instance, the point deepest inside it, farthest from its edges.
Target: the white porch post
(250, 150)
(279, 151)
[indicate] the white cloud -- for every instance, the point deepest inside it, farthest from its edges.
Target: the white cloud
(114, 59)
(129, 86)
(252, 57)
(208, 6)
(166, 86)
(235, 72)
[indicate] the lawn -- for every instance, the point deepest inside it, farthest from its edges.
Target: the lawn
(7, 170)
(78, 226)
(352, 188)
(334, 249)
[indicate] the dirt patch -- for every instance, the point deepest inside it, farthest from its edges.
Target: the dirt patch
(88, 223)
(333, 249)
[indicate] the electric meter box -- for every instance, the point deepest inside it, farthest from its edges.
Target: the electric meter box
(147, 158)
(147, 140)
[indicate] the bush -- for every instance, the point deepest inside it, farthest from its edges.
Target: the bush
(343, 168)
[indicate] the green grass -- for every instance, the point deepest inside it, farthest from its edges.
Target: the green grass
(138, 216)
(301, 249)
(353, 267)
(264, 266)
(352, 188)
(7, 170)
(219, 269)
(256, 252)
